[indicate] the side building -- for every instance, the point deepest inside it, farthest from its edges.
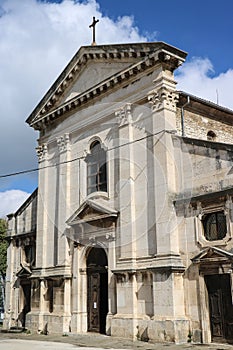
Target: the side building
(21, 259)
(134, 217)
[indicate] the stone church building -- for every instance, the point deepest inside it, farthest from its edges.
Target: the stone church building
(130, 231)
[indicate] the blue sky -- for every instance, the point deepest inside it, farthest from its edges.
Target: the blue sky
(38, 38)
(201, 27)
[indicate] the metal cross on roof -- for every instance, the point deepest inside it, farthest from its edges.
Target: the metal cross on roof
(93, 26)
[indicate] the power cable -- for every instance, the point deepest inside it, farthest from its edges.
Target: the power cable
(83, 157)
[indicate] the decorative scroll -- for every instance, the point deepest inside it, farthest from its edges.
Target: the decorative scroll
(163, 98)
(123, 115)
(42, 152)
(63, 143)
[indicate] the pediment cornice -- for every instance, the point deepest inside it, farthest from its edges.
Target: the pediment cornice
(92, 210)
(24, 271)
(212, 254)
(142, 56)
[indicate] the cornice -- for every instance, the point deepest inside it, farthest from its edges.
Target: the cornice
(48, 114)
(21, 236)
(204, 107)
(27, 202)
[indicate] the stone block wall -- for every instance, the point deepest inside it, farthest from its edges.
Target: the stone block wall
(197, 126)
(56, 324)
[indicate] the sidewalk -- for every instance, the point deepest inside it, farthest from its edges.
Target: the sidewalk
(105, 342)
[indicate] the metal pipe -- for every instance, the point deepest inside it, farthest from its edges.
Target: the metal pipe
(182, 116)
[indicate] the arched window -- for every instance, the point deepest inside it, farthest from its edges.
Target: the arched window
(211, 136)
(96, 169)
(215, 227)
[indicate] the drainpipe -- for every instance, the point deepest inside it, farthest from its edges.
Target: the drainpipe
(182, 116)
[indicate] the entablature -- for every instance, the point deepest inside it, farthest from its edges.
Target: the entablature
(146, 56)
(214, 260)
(93, 222)
(52, 272)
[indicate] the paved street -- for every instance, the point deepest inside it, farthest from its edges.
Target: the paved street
(19, 344)
(90, 341)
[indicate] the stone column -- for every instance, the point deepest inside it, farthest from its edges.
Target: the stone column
(126, 191)
(9, 290)
(42, 235)
(170, 322)
(62, 204)
(43, 307)
(67, 305)
(163, 100)
(74, 289)
(124, 323)
(79, 293)
(112, 303)
(204, 309)
(42, 211)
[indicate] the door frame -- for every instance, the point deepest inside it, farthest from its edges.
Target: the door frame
(219, 288)
(204, 298)
(100, 274)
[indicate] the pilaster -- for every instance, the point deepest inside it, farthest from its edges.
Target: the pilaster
(42, 211)
(79, 293)
(125, 322)
(169, 321)
(67, 296)
(62, 205)
(9, 290)
(163, 100)
(126, 190)
(43, 306)
(126, 282)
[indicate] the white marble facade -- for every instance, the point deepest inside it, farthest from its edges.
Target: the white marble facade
(134, 204)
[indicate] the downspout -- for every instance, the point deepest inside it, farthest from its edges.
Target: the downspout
(182, 116)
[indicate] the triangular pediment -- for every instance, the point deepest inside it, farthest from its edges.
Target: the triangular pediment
(212, 254)
(94, 69)
(92, 75)
(92, 210)
(25, 271)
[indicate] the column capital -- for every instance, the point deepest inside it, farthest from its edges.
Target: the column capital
(163, 98)
(63, 143)
(42, 152)
(123, 115)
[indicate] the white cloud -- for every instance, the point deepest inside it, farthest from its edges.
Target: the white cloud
(37, 40)
(197, 77)
(11, 200)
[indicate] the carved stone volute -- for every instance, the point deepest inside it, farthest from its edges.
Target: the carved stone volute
(42, 152)
(63, 143)
(123, 115)
(163, 98)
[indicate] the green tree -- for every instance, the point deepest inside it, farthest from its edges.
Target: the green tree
(3, 246)
(3, 259)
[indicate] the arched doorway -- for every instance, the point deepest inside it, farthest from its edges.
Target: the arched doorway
(97, 290)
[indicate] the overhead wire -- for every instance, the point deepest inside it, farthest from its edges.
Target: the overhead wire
(28, 171)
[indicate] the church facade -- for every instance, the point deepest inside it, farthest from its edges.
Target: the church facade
(130, 231)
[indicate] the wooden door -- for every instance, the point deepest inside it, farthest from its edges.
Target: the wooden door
(216, 313)
(97, 290)
(93, 302)
(220, 306)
